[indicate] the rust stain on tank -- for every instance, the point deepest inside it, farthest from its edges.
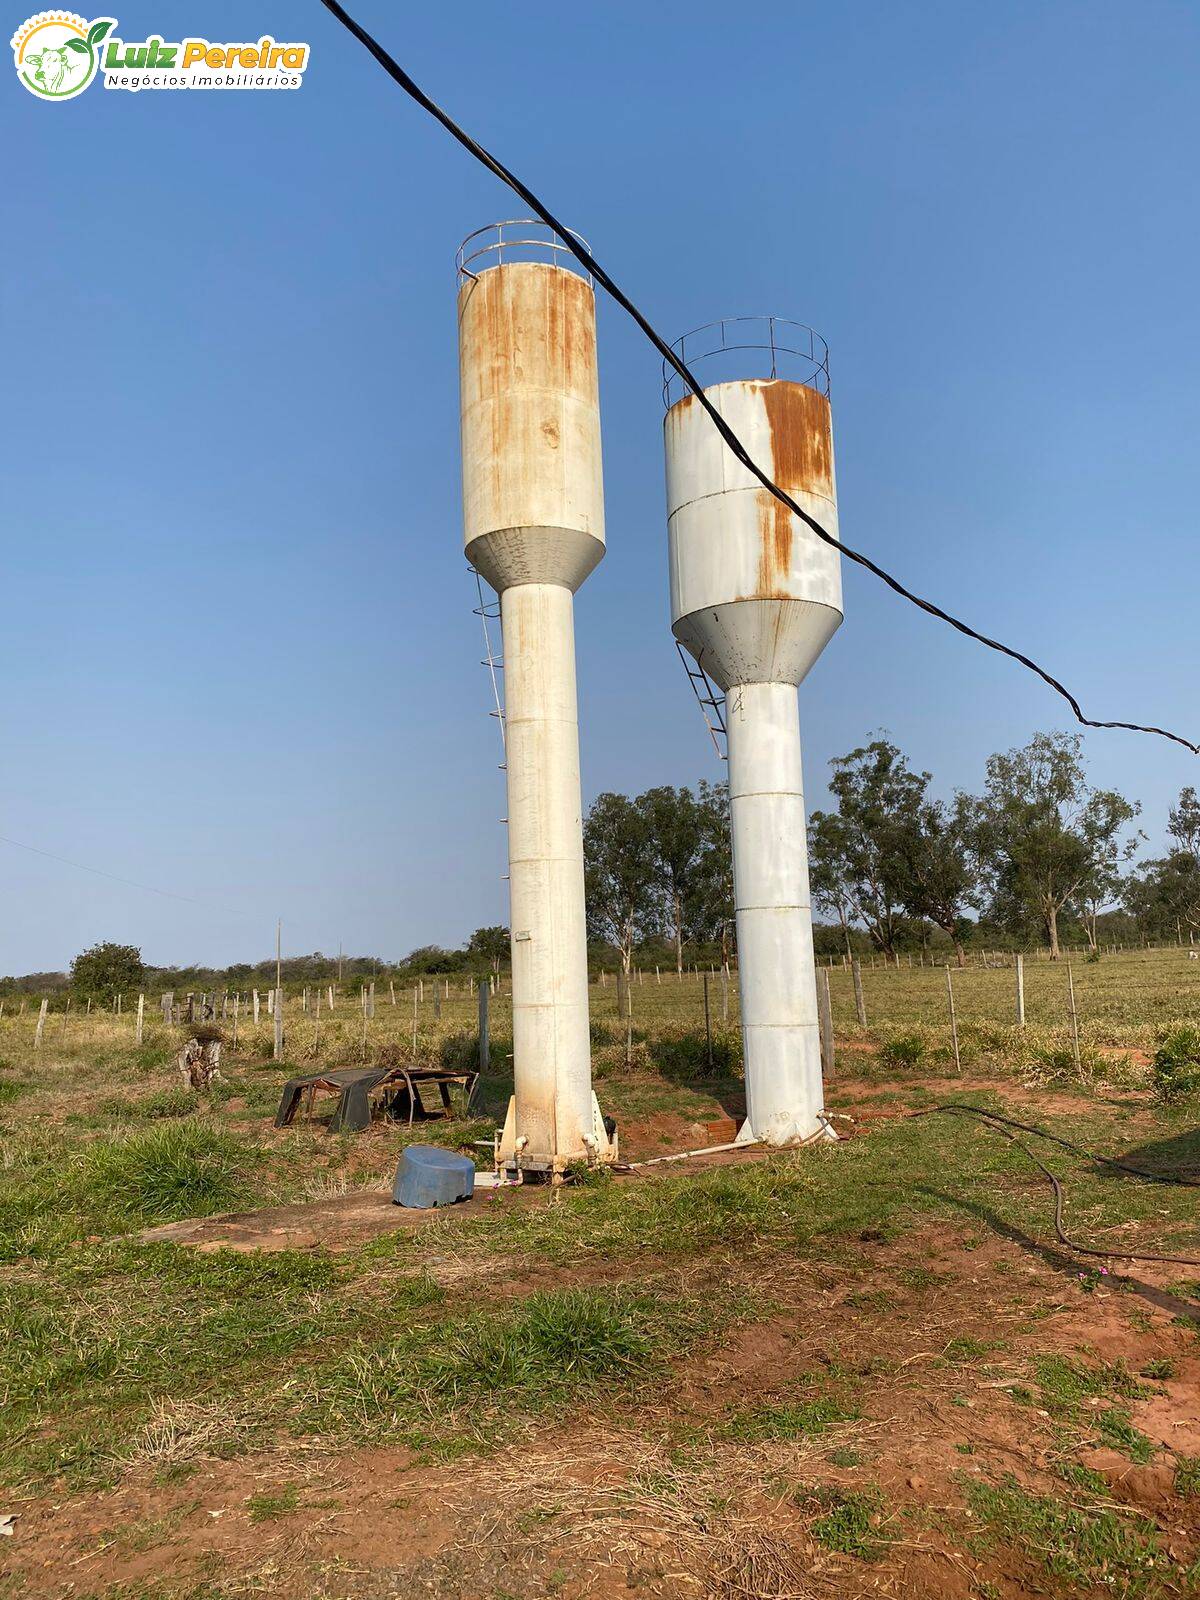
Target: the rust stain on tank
(775, 550)
(531, 325)
(801, 458)
(801, 437)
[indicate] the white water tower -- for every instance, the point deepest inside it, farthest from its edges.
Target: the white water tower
(533, 514)
(755, 598)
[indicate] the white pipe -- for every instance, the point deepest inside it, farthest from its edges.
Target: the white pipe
(551, 1043)
(776, 970)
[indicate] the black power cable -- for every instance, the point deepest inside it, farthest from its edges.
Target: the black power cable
(1066, 1144)
(586, 259)
(1002, 1125)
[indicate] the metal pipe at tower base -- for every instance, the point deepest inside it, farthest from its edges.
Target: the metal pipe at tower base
(780, 1032)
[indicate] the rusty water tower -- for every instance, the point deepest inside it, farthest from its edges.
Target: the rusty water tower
(533, 514)
(755, 598)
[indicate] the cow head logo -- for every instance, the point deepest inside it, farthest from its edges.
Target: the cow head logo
(57, 53)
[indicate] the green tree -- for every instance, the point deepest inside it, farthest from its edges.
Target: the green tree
(935, 867)
(829, 872)
(622, 873)
(425, 959)
(1165, 894)
(708, 906)
(1046, 836)
(683, 837)
(490, 945)
(854, 854)
(1183, 822)
(107, 970)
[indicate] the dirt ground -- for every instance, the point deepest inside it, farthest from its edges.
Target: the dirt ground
(677, 1500)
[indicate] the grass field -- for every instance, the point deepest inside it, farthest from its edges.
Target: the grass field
(865, 1368)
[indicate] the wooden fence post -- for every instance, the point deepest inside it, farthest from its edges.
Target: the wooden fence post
(140, 1016)
(953, 1022)
(485, 1054)
(1020, 991)
(724, 996)
(628, 1018)
(860, 1004)
(707, 1025)
(41, 1024)
(825, 1019)
(1074, 1015)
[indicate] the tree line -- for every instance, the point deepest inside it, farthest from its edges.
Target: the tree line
(1039, 856)
(1040, 850)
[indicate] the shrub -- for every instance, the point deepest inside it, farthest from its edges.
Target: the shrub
(1055, 1064)
(1175, 1070)
(905, 1052)
(680, 1057)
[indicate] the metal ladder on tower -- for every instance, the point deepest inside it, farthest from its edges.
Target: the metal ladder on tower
(709, 700)
(488, 611)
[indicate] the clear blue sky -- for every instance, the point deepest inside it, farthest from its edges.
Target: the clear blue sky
(238, 650)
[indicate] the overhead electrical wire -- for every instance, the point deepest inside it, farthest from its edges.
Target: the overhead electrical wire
(586, 259)
(99, 872)
(132, 883)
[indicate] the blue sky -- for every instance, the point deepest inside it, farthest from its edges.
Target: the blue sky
(238, 649)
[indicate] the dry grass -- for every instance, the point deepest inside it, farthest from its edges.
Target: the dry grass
(187, 1430)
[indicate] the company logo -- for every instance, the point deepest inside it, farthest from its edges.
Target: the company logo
(57, 53)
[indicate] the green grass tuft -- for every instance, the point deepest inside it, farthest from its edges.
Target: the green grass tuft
(540, 1355)
(178, 1170)
(269, 1507)
(1078, 1544)
(850, 1521)
(806, 1419)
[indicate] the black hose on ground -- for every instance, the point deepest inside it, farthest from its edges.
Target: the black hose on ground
(1002, 1125)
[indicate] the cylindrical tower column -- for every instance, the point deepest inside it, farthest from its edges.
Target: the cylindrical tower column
(533, 514)
(755, 597)
(782, 1044)
(551, 1038)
